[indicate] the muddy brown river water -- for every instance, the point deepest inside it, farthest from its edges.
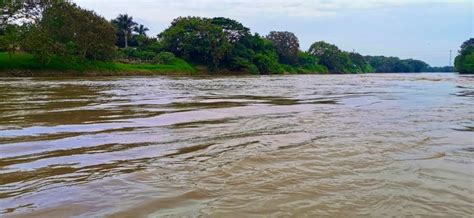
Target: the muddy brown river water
(302, 145)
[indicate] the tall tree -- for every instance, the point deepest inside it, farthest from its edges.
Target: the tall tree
(125, 25)
(233, 30)
(287, 46)
(141, 30)
(464, 62)
(67, 30)
(197, 40)
(322, 47)
(468, 43)
(332, 57)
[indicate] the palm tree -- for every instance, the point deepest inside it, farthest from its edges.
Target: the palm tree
(125, 24)
(141, 30)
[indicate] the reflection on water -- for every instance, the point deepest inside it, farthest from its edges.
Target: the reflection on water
(335, 145)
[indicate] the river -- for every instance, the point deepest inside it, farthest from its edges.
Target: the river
(299, 145)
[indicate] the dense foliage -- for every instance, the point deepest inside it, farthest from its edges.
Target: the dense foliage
(56, 29)
(64, 30)
(196, 39)
(383, 64)
(287, 46)
(464, 62)
(338, 61)
(73, 31)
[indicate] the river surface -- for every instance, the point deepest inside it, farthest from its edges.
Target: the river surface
(301, 145)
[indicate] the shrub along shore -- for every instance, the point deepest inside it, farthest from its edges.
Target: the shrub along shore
(59, 38)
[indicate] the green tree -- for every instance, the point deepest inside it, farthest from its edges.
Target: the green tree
(464, 62)
(233, 30)
(360, 63)
(332, 57)
(67, 30)
(141, 30)
(416, 66)
(310, 62)
(125, 25)
(197, 40)
(468, 43)
(287, 46)
(383, 64)
(320, 48)
(10, 39)
(38, 42)
(254, 54)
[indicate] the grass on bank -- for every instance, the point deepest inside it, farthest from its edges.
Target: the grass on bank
(24, 64)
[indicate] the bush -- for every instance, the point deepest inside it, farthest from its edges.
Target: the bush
(267, 64)
(164, 58)
(145, 55)
(253, 69)
(155, 46)
(128, 53)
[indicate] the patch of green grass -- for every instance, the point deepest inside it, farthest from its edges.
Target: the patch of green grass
(19, 61)
(27, 62)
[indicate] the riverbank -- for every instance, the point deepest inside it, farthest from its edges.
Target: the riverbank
(22, 64)
(26, 65)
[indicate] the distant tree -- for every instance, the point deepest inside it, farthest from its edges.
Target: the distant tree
(465, 45)
(125, 25)
(255, 54)
(237, 35)
(444, 69)
(332, 57)
(383, 64)
(310, 62)
(320, 48)
(464, 62)
(233, 30)
(416, 65)
(359, 62)
(287, 46)
(141, 30)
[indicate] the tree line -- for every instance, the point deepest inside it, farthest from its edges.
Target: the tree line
(63, 29)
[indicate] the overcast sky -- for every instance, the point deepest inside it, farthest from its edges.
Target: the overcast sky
(419, 29)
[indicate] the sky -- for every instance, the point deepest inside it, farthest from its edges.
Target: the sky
(421, 29)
